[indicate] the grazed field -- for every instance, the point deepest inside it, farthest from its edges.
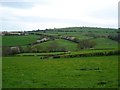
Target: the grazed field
(18, 40)
(84, 72)
(105, 43)
(61, 42)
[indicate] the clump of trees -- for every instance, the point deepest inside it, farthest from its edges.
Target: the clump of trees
(91, 34)
(55, 47)
(104, 53)
(114, 37)
(6, 51)
(70, 38)
(86, 44)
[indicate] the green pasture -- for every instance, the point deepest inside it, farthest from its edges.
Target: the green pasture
(84, 72)
(18, 40)
(105, 43)
(101, 43)
(60, 42)
(80, 32)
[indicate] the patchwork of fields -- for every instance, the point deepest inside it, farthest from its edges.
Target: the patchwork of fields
(77, 57)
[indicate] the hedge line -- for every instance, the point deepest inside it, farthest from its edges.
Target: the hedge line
(66, 55)
(88, 54)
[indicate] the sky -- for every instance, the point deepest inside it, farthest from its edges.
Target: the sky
(25, 15)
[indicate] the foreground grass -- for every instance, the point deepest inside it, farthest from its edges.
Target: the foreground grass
(85, 72)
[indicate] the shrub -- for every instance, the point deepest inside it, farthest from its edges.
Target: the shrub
(85, 44)
(6, 51)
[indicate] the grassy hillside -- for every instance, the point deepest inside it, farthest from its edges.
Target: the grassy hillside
(84, 72)
(60, 42)
(18, 40)
(101, 43)
(79, 30)
(105, 43)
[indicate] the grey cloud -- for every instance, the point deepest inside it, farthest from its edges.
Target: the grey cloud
(10, 25)
(17, 4)
(47, 19)
(105, 14)
(23, 3)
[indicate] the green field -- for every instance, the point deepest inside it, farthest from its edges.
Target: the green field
(77, 32)
(18, 40)
(80, 31)
(84, 72)
(105, 43)
(63, 43)
(101, 43)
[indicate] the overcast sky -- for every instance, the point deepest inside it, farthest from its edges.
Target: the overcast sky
(42, 14)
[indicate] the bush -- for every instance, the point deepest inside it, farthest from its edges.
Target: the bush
(6, 51)
(91, 54)
(85, 44)
(55, 47)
